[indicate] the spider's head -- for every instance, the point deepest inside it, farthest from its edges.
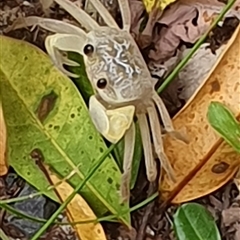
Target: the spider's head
(114, 65)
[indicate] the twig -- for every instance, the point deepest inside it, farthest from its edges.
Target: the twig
(147, 213)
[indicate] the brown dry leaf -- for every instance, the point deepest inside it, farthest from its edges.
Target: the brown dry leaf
(186, 21)
(78, 210)
(207, 162)
(3, 142)
(196, 70)
(137, 8)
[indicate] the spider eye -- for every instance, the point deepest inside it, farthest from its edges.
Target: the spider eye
(102, 83)
(88, 49)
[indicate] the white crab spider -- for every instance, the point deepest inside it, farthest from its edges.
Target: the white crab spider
(121, 80)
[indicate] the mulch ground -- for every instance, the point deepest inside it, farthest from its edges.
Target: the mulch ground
(151, 222)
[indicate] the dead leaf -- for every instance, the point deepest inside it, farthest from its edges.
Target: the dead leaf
(215, 5)
(196, 70)
(237, 233)
(3, 142)
(186, 21)
(136, 8)
(194, 163)
(230, 216)
(237, 182)
(78, 210)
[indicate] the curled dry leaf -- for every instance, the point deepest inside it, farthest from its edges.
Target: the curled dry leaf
(77, 210)
(3, 137)
(207, 162)
(185, 21)
(194, 72)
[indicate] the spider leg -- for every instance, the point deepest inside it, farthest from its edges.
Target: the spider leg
(150, 163)
(129, 143)
(51, 25)
(107, 17)
(79, 14)
(167, 122)
(158, 143)
(126, 14)
(63, 42)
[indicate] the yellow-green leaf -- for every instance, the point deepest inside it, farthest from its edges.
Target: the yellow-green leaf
(149, 4)
(47, 117)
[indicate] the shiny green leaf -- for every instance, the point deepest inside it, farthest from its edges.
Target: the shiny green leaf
(193, 222)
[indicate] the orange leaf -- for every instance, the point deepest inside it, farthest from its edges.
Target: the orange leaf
(207, 162)
(78, 210)
(3, 137)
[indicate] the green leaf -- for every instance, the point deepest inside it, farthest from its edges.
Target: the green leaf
(193, 221)
(225, 123)
(82, 82)
(46, 115)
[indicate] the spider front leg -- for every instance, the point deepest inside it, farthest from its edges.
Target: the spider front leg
(129, 143)
(107, 17)
(79, 14)
(150, 163)
(126, 14)
(52, 25)
(66, 43)
(158, 143)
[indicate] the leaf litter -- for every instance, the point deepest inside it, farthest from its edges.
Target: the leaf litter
(167, 60)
